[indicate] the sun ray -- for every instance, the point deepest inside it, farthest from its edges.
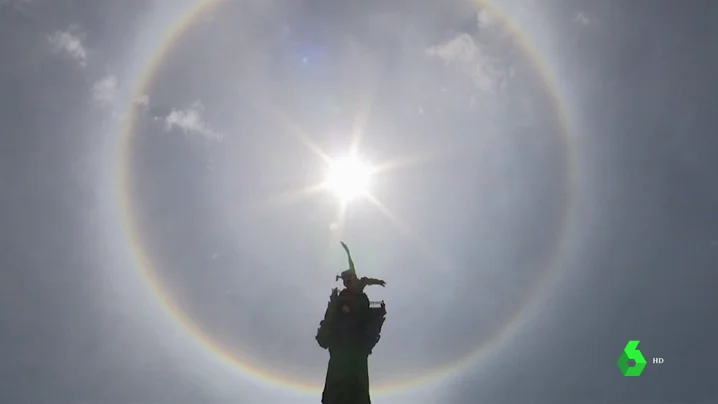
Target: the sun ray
(361, 117)
(292, 196)
(284, 198)
(340, 220)
(395, 221)
(416, 159)
(300, 135)
(356, 140)
(363, 111)
(441, 262)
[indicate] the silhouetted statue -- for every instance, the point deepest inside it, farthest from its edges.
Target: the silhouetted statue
(350, 330)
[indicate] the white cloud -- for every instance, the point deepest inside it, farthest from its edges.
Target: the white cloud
(143, 100)
(484, 18)
(581, 18)
(69, 43)
(104, 90)
(191, 120)
(464, 52)
(461, 49)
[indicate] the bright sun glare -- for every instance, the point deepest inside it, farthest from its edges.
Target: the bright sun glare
(348, 178)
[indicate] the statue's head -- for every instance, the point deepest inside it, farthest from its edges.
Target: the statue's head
(349, 278)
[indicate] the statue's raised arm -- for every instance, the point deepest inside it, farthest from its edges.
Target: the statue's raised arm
(349, 257)
(351, 280)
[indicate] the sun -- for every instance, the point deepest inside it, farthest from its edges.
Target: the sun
(348, 178)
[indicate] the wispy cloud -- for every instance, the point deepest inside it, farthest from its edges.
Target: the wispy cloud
(471, 57)
(68, 42)
(104, 90)
(143, 100)
(191, 121)
(484, 18)
(16, 4)
(581, 18)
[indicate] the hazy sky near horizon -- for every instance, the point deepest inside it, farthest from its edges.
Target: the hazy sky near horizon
(549, 193)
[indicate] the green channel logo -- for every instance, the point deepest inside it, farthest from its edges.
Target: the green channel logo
(631, 353)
